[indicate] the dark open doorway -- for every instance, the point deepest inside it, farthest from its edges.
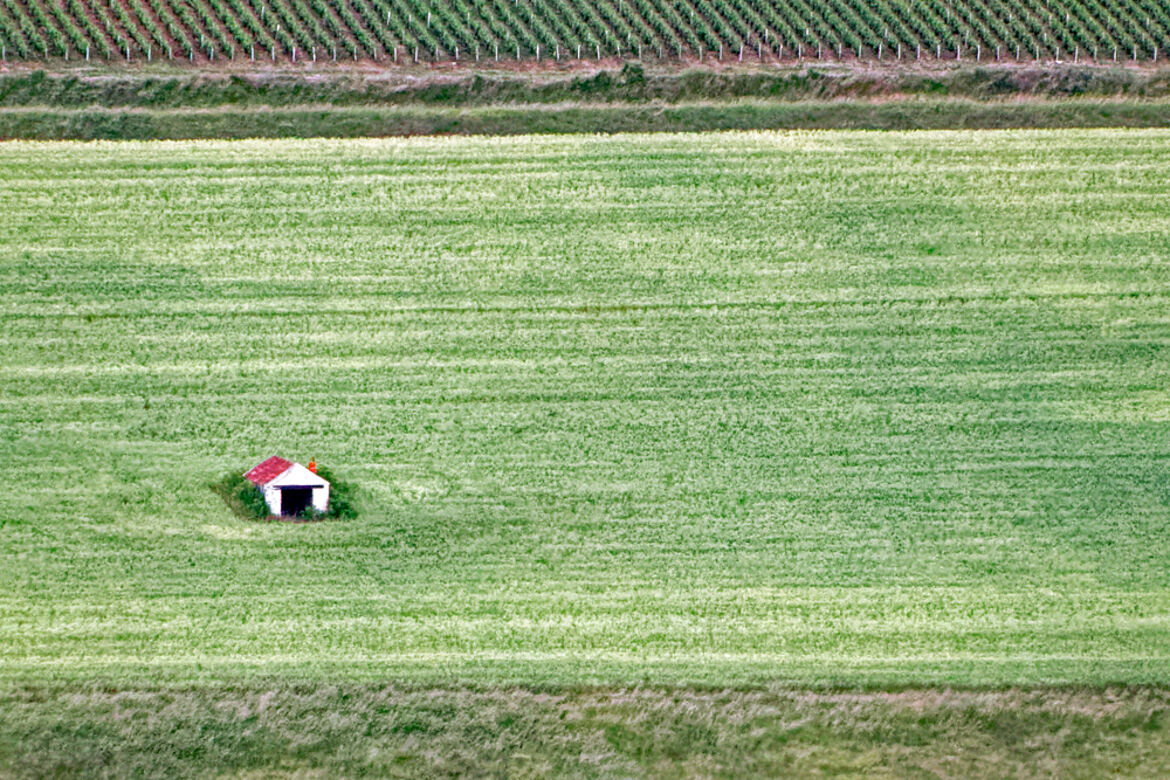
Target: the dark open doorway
(295, 500)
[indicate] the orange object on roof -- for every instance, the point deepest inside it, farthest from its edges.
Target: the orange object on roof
(313, 465)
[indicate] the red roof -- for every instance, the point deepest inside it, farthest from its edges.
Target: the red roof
(268, 470)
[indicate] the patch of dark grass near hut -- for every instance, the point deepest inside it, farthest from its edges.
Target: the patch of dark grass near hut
(247, 502)
(241, 496)
(341, 496)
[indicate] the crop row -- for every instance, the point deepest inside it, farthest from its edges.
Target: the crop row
(401, 30)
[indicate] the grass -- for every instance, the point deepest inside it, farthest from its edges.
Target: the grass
(824, 408)
(760, 453)
(241, 496)
(282, 730)
(324, 121)
(167, 87)
(162, 102)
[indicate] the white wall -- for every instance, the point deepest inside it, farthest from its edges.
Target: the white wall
(272, 496)
(297, 475)
(321, 498)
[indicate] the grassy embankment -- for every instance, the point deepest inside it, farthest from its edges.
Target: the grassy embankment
(282, 730)
(113, 103)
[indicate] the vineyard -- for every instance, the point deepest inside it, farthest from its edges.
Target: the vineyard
(430, 31)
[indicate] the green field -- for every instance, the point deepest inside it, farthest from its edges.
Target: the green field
(874, 409)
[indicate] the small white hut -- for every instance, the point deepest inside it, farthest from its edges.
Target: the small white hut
(290, 488)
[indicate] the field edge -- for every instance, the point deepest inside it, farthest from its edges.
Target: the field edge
(571, 118)
(283, 729)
